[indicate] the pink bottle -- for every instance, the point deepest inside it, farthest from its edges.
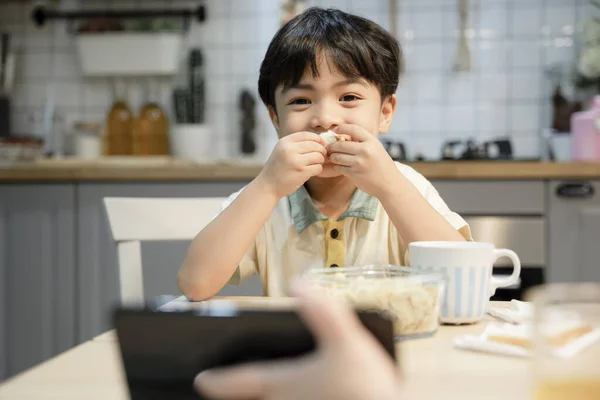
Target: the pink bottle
(585, 132)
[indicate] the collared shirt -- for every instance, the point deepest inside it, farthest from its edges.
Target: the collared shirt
(297, 236)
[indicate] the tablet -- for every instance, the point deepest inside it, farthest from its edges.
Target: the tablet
(162, 352)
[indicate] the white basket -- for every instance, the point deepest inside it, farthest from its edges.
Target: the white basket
(127, 54)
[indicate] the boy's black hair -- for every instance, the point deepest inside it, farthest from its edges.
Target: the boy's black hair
(357, 47)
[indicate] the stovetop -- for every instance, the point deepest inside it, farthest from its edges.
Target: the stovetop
(497, 150)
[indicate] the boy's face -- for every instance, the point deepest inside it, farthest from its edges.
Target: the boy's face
(318, 104)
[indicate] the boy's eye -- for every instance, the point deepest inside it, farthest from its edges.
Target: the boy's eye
(349, 97)
(300, 102)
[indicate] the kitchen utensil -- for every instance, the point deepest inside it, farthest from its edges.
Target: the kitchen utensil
(52, 137)
(4, 52)
(247, 122)
(182, 105)
(395, 149)
(463, 54)
(393, 17)
(5, 113)
(9, 73)
(451, 150)
(196, 76)
(409, 297)
(473, 152)
(496, 149)
(468, 266)
(499, 149)
(290, 9)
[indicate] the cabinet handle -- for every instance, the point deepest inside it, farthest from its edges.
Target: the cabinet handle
(575, 190)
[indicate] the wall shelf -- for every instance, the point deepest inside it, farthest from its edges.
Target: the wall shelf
(40, 15)
(113, 50)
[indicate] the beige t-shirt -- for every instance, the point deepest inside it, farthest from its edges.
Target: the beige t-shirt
(297, 236)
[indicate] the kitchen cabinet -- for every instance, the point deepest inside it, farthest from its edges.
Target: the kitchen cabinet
(478, 198)
(574, 231)
(37, 274)
(58, 264)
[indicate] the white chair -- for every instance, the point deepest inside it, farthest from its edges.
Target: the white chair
(133, 220)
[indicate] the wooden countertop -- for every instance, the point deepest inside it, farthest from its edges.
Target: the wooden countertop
(167, 169)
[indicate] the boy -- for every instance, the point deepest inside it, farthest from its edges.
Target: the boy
(316, 204)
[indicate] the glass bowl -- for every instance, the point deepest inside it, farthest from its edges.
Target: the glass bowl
(410, 298)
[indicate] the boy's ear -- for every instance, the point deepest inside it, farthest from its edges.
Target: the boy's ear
(388, 110)
(274, 118)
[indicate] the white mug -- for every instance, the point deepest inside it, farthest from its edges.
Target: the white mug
(468, 268)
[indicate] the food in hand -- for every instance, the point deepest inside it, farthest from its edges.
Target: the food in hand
(332, 137)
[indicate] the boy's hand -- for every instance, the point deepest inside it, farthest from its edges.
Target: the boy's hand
(295, 159)
(364, 160)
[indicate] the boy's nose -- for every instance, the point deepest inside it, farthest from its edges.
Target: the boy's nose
(325, 120)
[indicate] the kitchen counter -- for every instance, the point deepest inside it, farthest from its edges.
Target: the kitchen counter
(167, 169)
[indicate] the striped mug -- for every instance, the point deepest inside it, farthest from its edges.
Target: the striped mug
(468, 268)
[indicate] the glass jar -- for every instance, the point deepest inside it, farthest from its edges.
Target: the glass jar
(151, 130)
(119, 125)
(566, 341)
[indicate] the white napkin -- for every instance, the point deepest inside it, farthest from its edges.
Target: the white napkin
(482, 344)
(514, 339)
(517, 313)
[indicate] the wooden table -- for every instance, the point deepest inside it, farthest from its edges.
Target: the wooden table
(432, 369)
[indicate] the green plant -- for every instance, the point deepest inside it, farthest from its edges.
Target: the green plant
(587, 66)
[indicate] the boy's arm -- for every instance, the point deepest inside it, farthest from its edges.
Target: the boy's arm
(412, 214)
(216, 251)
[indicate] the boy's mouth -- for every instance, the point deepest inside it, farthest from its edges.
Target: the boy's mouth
(329, 137)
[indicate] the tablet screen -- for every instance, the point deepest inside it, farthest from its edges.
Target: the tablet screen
(162, 352)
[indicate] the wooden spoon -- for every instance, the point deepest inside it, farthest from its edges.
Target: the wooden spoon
(463, 55)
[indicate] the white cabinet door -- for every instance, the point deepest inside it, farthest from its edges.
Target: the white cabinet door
(574, 231)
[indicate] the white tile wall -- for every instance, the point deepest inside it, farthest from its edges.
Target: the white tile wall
(526, 21)
(506, 94)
